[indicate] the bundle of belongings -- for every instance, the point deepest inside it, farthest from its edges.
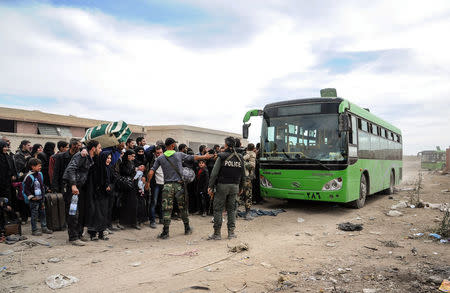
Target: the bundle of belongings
(108, 134)
(257, 213)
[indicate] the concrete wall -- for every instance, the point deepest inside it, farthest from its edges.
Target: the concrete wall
(78, 131)
(191, 136)
(16, 138)
(26, 127)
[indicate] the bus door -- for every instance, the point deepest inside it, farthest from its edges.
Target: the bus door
(353, 141)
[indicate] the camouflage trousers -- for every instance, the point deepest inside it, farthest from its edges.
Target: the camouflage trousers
(225, 198)
(171, 191)
(245, 199)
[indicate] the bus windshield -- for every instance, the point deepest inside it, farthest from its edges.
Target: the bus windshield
(302, 138)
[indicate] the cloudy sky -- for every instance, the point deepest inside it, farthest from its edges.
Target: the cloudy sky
(179, 62)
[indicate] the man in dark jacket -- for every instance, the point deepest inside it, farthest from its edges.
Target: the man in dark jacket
(21, 157)
(75, 178)
(63, 147)
(61, 162)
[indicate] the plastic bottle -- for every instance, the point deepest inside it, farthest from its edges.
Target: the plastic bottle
(73, 205)
(37, 189)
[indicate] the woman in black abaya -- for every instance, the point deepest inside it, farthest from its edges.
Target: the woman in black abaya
(128, 211)
(6, 172)
(100, 182)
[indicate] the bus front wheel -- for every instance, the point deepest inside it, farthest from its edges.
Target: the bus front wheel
(359, 203)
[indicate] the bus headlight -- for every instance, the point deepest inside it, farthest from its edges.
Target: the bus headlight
(335, 184)
(265, 182)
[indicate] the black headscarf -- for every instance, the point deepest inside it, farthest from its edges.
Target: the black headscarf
(35, 149)
(102, 174)
(4, 170)
(127, 167)
(3, 159)
(140, 159)
(49, 149)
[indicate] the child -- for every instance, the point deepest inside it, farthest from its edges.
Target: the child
(34, 189)
(142, 215)
(139, 175)
(202, 187)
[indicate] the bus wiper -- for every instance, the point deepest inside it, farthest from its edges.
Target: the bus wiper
(314, 160)
(284, 153)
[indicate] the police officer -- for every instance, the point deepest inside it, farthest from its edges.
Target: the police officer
(228, 173)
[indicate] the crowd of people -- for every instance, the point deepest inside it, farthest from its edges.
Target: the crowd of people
(128, 186)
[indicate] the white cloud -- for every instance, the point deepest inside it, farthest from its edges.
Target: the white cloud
(102, 67)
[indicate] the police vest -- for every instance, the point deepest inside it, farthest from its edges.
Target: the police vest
(231, 168)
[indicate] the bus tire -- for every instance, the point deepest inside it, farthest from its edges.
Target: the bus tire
(359, 203)
(390, 190)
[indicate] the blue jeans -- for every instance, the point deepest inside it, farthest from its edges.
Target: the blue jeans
(37, 210)
(155, 195)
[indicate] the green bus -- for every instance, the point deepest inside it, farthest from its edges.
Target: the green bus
(432, 160)
(326, 149)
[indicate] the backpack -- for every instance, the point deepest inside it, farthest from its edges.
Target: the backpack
(187, 175)
(25, 197)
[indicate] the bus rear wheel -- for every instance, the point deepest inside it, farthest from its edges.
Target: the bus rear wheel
(359, 203)
(390, 190)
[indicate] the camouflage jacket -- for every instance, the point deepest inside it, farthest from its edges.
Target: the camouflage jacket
(250, 164)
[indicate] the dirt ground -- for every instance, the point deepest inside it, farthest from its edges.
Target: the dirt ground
(284, 254)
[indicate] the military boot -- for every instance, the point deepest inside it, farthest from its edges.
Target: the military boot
(216, 235)
(164, 234)
(231, 234)
(187, 229)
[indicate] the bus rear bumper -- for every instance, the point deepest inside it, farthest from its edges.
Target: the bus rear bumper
(330, 196)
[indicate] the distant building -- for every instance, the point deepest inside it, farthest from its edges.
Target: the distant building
(40, 127)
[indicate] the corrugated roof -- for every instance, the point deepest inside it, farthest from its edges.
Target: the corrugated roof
(36, 116)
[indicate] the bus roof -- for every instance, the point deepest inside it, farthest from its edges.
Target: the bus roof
(363, 113)
(304, 101)
(432, 151)
(344, 104)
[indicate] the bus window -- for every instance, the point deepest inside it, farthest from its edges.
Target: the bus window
(359, 124)
(365, 126)
(392, 136)
(379, 131)
(386, 134)
(292, 129)
(374, 129)
(353, 137)
(271, 133)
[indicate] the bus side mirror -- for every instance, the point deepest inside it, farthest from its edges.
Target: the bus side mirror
(245, 130)
(344, 123)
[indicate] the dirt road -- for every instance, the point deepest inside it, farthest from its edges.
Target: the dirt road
(284, 254)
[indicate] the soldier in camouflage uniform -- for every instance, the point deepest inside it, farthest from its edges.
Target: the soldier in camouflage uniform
(249, 164)
(171, 164)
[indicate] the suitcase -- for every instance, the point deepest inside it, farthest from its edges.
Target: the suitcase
(13, 228)
(55, 211)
